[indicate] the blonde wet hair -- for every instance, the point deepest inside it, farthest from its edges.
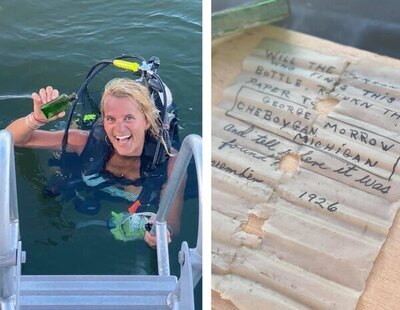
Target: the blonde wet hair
(124, 87)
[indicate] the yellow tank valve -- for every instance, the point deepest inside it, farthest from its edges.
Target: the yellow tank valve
(127, 65)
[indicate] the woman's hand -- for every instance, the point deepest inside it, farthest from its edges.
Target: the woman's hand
(39, 99)
(152, 240)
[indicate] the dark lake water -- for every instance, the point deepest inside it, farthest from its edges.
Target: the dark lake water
(56, 43)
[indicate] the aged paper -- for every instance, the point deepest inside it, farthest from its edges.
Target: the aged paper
(305, 157)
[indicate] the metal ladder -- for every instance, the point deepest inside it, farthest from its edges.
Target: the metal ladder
(101, 291)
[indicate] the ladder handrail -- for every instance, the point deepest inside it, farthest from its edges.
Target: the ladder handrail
(9, 225)
(191, 146)
(10, 246)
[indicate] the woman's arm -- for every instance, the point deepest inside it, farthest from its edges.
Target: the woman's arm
(25, 129)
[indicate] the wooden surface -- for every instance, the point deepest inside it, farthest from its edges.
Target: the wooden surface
(383, 285)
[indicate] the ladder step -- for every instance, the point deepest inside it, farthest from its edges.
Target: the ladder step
(95, 292)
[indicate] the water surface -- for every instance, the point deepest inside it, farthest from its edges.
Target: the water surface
(55, 43)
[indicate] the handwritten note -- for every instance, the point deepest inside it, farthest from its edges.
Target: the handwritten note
(328, 218)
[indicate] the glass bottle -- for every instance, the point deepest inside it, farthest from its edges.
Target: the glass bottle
(58, 105)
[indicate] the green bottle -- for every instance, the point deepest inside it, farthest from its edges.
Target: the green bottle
(58, 105)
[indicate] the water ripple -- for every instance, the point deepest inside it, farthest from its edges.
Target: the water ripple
(16, 96)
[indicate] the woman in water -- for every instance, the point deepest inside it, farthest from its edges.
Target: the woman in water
(128, 115)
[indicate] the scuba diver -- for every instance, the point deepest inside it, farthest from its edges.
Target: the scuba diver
(128, 144)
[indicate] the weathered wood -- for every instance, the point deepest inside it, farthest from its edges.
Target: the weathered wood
(233, 16)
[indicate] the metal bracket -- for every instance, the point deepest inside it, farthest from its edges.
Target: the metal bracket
(186, 280)
(11, 259)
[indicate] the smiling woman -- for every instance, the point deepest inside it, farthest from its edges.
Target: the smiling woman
(116, 143)
(128, 113)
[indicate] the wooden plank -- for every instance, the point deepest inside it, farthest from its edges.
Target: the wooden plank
(236, 16)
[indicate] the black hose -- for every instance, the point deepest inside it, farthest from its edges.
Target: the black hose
(94, 71)
(156, 157)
